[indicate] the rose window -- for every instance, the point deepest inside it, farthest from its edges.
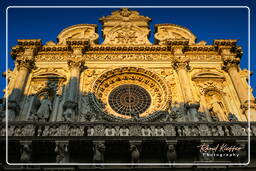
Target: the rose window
(129, 99)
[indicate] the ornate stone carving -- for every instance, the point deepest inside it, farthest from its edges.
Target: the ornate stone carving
(75, 62)
(135, 130)
(44, 111)
(79, 31)
(98, 153)
(169, 130)
(62, 152)
(216, 106)
(132, 75)
(26, 152)
(171, 154)
(26, 60)
(99, 130)
(181, 63)
(204, 130)
(172, 31)
(125, 29)
(86, 111)
(135, 154)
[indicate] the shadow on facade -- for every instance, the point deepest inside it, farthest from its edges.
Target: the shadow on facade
(48, 127)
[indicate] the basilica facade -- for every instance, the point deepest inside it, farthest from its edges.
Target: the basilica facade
(127, 100)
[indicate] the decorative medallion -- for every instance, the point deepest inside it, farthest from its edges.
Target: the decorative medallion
(130, 91)
(129, 99)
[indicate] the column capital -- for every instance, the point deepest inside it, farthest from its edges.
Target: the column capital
(245, 105)
(25, 63)
(230, 62)
(181, 63)
(75, 62)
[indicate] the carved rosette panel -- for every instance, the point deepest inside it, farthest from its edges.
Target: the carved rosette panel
(123, 35)
(146, 79)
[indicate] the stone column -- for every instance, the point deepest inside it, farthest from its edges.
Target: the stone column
(24, 65)
(232, 68)
(70, 105)
(231, 65)
(182, 66)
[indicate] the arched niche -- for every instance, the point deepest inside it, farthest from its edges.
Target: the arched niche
(216, 105)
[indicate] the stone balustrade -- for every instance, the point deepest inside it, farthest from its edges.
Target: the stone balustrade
(135, 129)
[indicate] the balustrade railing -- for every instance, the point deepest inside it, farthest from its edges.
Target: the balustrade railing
(170, 129)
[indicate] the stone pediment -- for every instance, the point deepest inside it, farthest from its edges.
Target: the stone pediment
(125, 27)
(79, 31)
(171, 31)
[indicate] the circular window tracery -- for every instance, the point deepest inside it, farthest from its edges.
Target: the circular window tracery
(129, 99)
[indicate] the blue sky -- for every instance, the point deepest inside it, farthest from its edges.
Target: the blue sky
(207, 24)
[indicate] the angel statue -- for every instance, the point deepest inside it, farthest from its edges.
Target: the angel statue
(43, 112)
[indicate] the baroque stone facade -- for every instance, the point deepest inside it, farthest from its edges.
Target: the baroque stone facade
(126, 88)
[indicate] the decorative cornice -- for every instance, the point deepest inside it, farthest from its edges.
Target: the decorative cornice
(29, 42)
(200, 48)
(127, 48)
(55, 48)
(73, 42)
(225, 42)
(172, 42)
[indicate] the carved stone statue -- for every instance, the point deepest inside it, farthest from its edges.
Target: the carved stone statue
(44, 111)
(217, 108)
(135, 155)
(213, 116)
(173, 113)
(98, 154)
(62, 153)
(26, 152)
(171, 154)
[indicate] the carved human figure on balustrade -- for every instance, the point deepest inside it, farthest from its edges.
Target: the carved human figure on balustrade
(171, 154)
(26, 152)
(135, 155)
(98, 154)
(62, 153)
(44, 111)
(216, 105)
